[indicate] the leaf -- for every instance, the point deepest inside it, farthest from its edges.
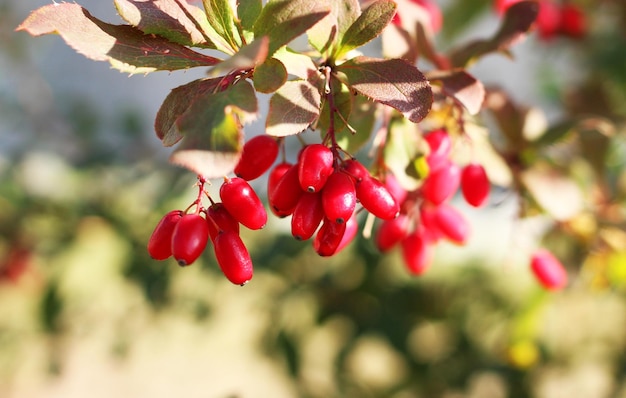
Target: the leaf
(331, 29)
(176, 103)
(211, 130)
(246, 58)
(284, 20)
(367, 26)
(517, 21)
(392, 82)
(463, 87)
(269, 76)
(297, 64)
(342, 98)
(293, 108)
(125, 47)
(402, 149)
(362, 120)
(556, 193)
(175, 20)
(221, 17)
(248, 11)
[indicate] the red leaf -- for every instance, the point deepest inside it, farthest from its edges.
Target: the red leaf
(463, 87)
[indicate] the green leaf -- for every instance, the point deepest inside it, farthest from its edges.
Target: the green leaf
(392, 82)
(326, 33)
(269, 76)
(517, 21)
(125, 47)
(248, 11)
(212, 132)
(284, 20)
(402, 149)
(342, 98)
(362, 120)
(462, 87)
(367, 26)
(175, 20)
(221, 18)
(248, 57)
(293, 108)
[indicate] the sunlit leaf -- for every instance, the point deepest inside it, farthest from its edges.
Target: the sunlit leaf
(221, 17)
(125, 47)
(330, 30)
(402, 149)
(269, 76)
(463, 87)
(293, 108)
(176, 20)
(556, 193)
(297, 64)
(517, 21)
(392, 82)
(246, 58)
(284, 20)
(367, 26)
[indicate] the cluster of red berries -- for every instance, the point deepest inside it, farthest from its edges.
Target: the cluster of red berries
(554, 19)
(426, 215)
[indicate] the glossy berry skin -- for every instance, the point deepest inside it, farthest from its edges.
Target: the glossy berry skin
(160, 243)
(376, 198)
(548, 270)
(329, 237)
(440, 145)
(233, 257)
(219, 219)
(417, 253)
(258, 155)
(452, 224)
(475, 184)
(275, 175)
(307, 216)
(441, 185)
(352, 227)
(189, 238)
(314, 167)
(355, 169)
(285, 195)
(391, 232)
(243, 203)
(339, 197)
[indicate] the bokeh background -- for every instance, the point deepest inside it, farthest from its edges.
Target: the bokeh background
(84, 311)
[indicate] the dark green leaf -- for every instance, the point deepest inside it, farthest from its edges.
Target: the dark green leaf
(284, 20)
(367, 26)
(293, 108)
(176, 20)
(269, 76)
(125, 47)
(392, 82)
(221, 18)
(248, 11)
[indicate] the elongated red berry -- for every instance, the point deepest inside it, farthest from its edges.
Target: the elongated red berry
(258, 155)
(233, 257)
(573, 22)
(475, 184)
(355, 169)
(376, 198)
(352, 227)
(275, 175)
(452, 224)
(548, 270)
(160, 243)
(243, 203)
(339, 197)
(219, 219)
(395, 189)
(285, 195)
(548, 20)
(441, 185)
(429, 225)
(315, 166)
(328, 237)
(391, 232)
(417, 253)
(189, 238)
(440, 146)
(307, 215)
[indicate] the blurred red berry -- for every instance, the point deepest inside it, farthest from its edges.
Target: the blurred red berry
(417, 253)
(441, 185)
(452, 224)
(548, 270)
(573, 21)
(391, 232)
(475, 184)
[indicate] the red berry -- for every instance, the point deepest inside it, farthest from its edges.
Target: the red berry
(440, 146)
(428, 223)
(548, 270)
(243, 203)
(573, 21)
(285, 195)
(307, 216)
(475, 184)
(417, 253)
(275, 175)
(352, 227)
(257, 157)
(391, 232)
(452, 224)
(376, 198)
(339, 197)
(355, 169)
(160, 243)
(233, 257)
(315, 166)
(395, 189)
(502, 5)
(189, 238)
(548, 20)
(441, 185)
(219, 219)
(329, 237)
